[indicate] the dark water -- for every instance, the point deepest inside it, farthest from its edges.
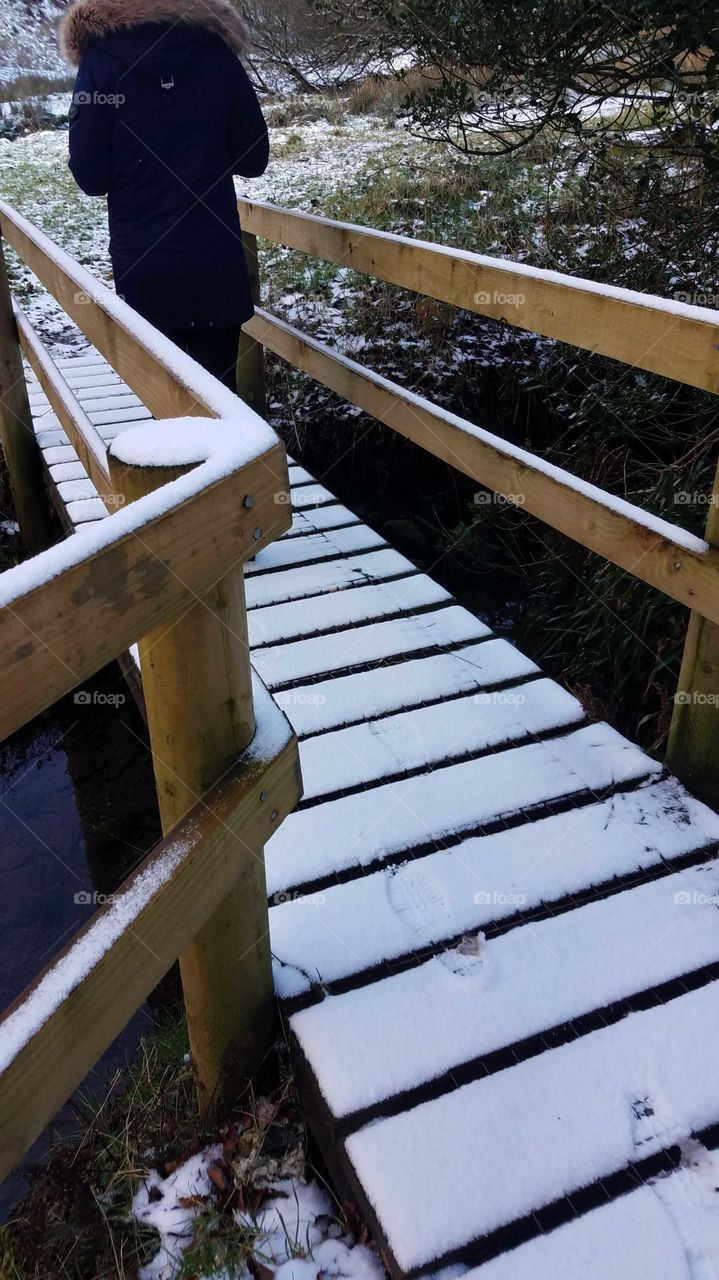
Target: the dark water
(77, 813)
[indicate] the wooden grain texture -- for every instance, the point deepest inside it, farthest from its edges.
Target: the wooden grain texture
(58, 634)
(17, 435)
(213, 839)
(251, 381)
(197, 684)
(693, 743)
(691, 577)
(639, 330)
(83, 436)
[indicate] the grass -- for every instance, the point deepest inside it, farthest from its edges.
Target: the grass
(75, 1223)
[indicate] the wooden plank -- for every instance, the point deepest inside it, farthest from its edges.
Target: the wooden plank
(693, 744)
(19, 445)
(159, 911)
(169, 383)
(340, 701)
(468, 884)
(329, 575)
(451, 1171)
(425, 737)
(390, 1037)
(659, 553)
(348, 835)
(316, 547)
(299, 620)
(86, 441)
(672, 339)
(56, 634)
(282, 665)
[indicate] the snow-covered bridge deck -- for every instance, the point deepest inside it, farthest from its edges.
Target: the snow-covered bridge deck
(494, 924)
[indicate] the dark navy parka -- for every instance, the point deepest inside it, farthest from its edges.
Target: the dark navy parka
(163, 115)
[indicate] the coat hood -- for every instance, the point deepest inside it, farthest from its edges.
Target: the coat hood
(89, 20)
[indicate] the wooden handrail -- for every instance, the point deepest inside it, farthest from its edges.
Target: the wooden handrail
(168, 382)
(666, 337)
(165, 570)
(73, 608)
(84, 438)
(664, 555)
(65, 1020)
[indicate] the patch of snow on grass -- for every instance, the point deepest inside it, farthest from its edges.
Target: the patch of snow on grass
(295, 1234)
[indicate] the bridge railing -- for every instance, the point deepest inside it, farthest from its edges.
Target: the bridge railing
(189, 504)
(665, 337)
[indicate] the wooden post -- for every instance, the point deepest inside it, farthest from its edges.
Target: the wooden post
(693, 746)
(196, 679)
(251, 386)
(19, 442)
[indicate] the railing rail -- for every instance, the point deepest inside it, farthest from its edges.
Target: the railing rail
(165, 570)
(663, 336)
(667, 337)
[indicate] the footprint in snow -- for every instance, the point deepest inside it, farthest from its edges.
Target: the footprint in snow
(690, 1195)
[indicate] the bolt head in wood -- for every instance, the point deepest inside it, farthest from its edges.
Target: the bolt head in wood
(256, 534)
(248, 501)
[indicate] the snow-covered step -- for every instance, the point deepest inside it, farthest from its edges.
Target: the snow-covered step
(315, 547)
(351, 699)
(435, 900)
(665, 1230)
(284, 664)
(415, 739)
(457, 1168)
(331, 575)
(367, 1045)
(356, 831)
(314, 519)
(304, 618)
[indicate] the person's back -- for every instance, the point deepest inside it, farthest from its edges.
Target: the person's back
(163, 115)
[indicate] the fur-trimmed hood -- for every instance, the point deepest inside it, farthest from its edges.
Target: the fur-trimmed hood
(89, 20)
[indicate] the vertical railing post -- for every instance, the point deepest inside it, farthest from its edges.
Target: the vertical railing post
(251, 385)
(693, 746)
(19, 442)
(196, 678)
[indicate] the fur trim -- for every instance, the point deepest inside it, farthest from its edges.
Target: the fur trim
(88, 20)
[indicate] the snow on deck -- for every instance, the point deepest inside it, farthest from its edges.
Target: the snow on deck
(494, 925)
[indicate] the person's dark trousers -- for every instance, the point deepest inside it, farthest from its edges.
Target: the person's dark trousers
(215, 349)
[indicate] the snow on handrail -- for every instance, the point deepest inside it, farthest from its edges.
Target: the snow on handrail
(667, 336)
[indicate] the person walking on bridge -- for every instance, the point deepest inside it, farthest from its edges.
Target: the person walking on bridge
(163, 114)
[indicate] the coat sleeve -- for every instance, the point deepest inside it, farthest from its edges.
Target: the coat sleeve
(91, 125)
(249, 143)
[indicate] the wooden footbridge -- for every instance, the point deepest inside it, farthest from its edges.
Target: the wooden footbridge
(493, 925)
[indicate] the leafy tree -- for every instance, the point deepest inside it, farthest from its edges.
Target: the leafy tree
(500, 73)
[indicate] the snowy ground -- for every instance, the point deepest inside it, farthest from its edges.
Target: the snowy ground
(310, 162)
(294, 1234)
